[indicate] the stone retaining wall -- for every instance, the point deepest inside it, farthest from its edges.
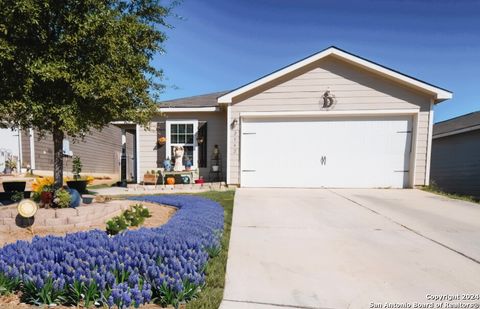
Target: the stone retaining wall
(64, 218)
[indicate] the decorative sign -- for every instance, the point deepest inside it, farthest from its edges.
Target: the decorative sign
(328, 99)
(27, 208)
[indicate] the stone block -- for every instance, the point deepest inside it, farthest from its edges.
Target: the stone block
(45, 213)
(55, 221)
(77, 219)
(86, 210)
(4, 228)
(65, 213)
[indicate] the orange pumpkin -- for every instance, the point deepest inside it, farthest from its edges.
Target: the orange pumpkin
(170, 180)
(162, 140)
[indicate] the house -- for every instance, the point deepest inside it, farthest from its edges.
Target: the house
(333, 119)
(100, 152)
(455, 166)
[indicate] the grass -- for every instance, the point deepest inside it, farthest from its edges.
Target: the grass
(435, 189)
(211, 295)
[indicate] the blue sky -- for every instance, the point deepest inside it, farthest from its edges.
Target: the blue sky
(222, 44)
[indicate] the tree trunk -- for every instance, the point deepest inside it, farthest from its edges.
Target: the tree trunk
(58, 158)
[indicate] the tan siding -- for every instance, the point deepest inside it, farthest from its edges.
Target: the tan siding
(216, 135)
(147, 144)
(355, 89)
(130, 155)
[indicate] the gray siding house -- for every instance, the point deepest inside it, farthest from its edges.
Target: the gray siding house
(100, 152)
(455, 166)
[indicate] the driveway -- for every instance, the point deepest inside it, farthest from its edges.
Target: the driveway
(322, 248)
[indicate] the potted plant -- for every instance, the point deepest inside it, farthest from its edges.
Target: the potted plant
(167, 164)
(46, 196)
(10, 165)
(42, 190)
(10, 186)
(78, 183)
(188, 164)
(150, 177)
(161, 140)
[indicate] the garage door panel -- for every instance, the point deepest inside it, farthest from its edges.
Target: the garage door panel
(356, 152)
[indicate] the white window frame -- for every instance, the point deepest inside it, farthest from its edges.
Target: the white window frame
(168, 149)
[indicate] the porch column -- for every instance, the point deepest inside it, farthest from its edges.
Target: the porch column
(123, 166)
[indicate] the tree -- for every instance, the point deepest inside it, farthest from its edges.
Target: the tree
(67, 67)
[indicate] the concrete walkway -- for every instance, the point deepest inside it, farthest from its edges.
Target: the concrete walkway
(161, 189)
(319, 248)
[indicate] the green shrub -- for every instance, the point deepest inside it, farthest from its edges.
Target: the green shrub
(62, 198)
(17, 196)
(116, 225)
(135, 216)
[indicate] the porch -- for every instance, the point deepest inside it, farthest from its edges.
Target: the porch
(201, 132)
(139, 189)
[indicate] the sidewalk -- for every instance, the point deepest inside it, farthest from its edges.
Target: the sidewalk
(161, 189)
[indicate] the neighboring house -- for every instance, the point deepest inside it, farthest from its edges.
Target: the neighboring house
(9, 147)
(455, 164)
(100, 152)
(330, 120)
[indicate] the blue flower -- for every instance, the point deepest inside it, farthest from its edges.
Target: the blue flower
(134, 264)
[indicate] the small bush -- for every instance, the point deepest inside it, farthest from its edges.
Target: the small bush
(17, 196)
(116, 225)
(62, 198)
(135, 216)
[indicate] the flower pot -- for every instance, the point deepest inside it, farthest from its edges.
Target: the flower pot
(199, 181)
(170, 180)
(79, 185)
(161, 141)
(167, 165)
(46, 197)
(9, 186)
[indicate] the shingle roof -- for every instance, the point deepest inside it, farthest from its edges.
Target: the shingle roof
(204, 100)
(458, 123)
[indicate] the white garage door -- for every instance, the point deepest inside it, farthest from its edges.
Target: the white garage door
(359, 152)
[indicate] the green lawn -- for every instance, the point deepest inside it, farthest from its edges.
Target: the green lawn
(212, 294)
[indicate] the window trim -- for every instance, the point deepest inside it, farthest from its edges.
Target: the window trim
(168, 150)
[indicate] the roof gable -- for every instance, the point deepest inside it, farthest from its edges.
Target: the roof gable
(437, 93)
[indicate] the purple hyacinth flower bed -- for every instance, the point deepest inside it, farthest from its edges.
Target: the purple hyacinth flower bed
(164, 264)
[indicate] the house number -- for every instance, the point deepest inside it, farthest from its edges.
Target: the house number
(323, 160)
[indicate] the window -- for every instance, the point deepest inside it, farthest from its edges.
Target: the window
(182, 133)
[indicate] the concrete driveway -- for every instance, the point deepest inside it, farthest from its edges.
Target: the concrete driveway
(322, 248)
